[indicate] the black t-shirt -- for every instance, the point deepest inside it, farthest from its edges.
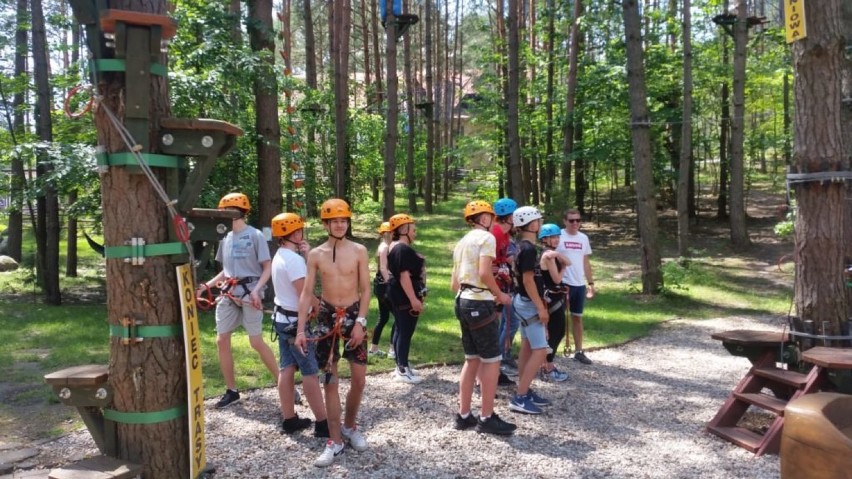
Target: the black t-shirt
(403, 258)
(527, 260)
(548, 281)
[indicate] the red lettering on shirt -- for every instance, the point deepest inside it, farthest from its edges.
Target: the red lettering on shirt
(572, 245)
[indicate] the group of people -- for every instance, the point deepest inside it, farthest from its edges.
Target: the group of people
(501, 286)
(526, 288)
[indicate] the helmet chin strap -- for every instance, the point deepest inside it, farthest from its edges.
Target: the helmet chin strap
(334, 247)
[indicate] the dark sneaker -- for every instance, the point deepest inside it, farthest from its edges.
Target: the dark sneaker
(504, 380)
(537, 400)
(462, 424)
(293, 424)
(321, 428)
(495, 425)
(524, 404)
(230, 397)
(580, 356)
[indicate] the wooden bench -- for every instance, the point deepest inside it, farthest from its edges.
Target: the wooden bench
(100, 467)
(87, 388)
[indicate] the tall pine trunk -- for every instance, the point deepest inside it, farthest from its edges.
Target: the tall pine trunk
(739, 233)
(412, 121)
(392, 132)
(818, 151)
(571, 96)
(430, 106)
(514, 169)
(684, 169)
(646, 204)
(18, 180)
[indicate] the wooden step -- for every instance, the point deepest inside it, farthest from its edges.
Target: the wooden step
(764, 401)
(740, 436)
(783, 376)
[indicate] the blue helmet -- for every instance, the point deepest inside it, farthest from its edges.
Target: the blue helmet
(505, 206)
(548, 229)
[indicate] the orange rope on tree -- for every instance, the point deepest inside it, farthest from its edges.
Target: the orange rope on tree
(86, 108)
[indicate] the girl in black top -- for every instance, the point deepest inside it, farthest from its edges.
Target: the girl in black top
(405, 292)
(380, 288)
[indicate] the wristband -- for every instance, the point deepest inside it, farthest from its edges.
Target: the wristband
(362, 321)
(591, 283)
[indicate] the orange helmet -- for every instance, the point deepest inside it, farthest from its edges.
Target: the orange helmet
(236, 200)
(384, 228)
(286, 223)
(398, 220)
(476, 207)
(335, 208)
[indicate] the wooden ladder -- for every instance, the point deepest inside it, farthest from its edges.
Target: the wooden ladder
(782, 385)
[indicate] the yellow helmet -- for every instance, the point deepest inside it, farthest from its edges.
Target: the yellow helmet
(384, 228)
(236, 200)
(476, 207)
(335, 208)
(286, 223)
(398, 220)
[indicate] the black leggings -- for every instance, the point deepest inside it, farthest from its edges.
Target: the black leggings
(555, 330)
(384, 313)
(405, 325)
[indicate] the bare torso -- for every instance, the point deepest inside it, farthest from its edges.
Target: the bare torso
(340, 271)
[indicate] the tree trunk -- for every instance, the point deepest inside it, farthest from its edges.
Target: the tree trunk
(430, 124)
(514, 169)
(820, 291)
(340, 64)
(684, 169)
(18, 180)
(148, 376)
(47, 236)
(439, 101)
(365, 44)
(847, 140)
(392, 133)
(549, 167)
(311, 203)
(722, 199)
(571, 96)
(412, 121)
(267, 125)
(378, 96)
(739, 233)
(646, 205)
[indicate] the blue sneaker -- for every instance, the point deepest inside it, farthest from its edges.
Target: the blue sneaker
(555, 376)
(524, 404)
(537, 400)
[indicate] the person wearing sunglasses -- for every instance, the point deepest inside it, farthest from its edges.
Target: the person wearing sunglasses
(406, 291)
(575, 246)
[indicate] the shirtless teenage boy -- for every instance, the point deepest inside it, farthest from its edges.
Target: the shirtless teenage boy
(343, 271)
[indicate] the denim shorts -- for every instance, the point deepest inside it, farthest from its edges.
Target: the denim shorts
(290, 355)
(480, 329)
(532, 329)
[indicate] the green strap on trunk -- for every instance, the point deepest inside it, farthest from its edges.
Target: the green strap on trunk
(118, 65)
(152, 159)
(147, 250)
(143, 331)
(152, 417)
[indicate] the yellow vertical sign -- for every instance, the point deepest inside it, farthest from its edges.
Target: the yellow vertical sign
(794, 20)
(195, 388)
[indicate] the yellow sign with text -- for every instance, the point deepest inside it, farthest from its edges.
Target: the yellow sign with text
(195, 388)
(794, 20)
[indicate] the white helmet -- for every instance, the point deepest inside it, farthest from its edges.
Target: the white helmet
(525, 215)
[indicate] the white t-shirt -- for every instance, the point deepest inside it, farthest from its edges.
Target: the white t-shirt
(575, 247)
(287, 266)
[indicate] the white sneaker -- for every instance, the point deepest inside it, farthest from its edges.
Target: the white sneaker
(355, 438)
(391, 354)
(414, 372)
(406, 376)
(331, 451)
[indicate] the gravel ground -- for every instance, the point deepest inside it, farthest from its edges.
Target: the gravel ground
(637, 412)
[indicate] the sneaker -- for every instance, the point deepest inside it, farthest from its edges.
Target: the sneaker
(297, 397)
(230, 397)
(462, 423)
(504, 380)
(331, 451)
(538, 400)
(321, 428)
(392, 354)
(555, 376)
(355, 438)
(406, 376)
(377, 353)
(580, 356)
(510, 363)
(293, 424)
(495, 425)
(524, 404)
(414, 371)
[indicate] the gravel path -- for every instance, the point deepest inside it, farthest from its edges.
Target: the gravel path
(637, 412)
